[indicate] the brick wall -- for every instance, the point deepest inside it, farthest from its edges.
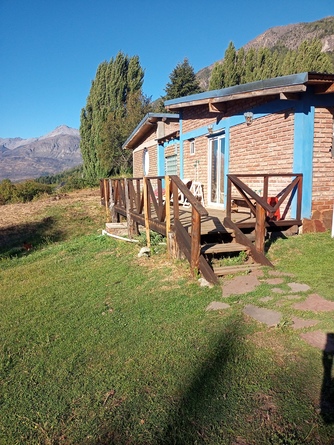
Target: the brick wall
(323, 172)
(265, 146)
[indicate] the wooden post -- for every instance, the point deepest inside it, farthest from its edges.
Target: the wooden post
(106, 200)
(260, 228)
(146, 212)
(114, 218)
(195, 241)
(229, 198)
(168, 223)
(128, 209)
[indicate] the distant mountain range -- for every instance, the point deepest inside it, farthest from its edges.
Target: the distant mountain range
(287, 36)
(52, 153)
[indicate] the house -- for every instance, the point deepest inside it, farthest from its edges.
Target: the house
(155, 145)
(276, 126)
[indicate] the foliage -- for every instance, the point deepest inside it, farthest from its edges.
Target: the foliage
(242, 66)
(23, 191)
(182, 82)
(109, 104)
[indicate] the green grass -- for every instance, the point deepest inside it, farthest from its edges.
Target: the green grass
(98, 346)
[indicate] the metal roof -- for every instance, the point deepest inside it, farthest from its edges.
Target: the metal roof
(291, 83)
(145, 125)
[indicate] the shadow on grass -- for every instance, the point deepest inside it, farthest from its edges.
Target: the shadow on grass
(20, 239)
(327, 388)
(204, 405)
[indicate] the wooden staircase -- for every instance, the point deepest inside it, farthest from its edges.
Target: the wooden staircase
(231, 243)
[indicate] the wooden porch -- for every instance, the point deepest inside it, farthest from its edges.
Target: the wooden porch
(154, 203)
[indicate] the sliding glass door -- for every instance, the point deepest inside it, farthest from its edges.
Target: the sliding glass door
(216, 171)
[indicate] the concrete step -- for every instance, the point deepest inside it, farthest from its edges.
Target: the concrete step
(230, 270)
(222, 248)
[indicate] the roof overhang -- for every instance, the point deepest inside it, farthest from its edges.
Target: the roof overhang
(286, 87)
(145, 126)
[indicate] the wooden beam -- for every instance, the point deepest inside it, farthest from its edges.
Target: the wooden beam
(217, 107)
(325, 88)
(289, 96)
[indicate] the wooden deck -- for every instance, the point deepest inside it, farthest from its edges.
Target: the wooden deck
(144, 202)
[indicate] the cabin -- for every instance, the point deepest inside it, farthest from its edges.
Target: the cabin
(280, 125)
(224, 169)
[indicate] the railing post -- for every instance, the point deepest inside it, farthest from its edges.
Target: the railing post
(146, 212)
(114, 218)
(260, 228)
(299, 197)
(195, 241)
(229, 198)
(168, 218)
(128, 209)
(106, 198)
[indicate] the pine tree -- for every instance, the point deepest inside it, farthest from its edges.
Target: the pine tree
(108, 99)
(183, 81)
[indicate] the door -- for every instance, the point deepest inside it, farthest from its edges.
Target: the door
(216, 171)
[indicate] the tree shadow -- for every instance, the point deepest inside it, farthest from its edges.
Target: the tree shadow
(191, 415)
(20, 239)
(327, 388)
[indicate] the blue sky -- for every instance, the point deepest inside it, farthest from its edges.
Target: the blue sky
(50, 50)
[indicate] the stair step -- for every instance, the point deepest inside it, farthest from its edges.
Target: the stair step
(230, 270)
(223, 248)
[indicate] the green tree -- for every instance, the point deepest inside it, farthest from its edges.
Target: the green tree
(217, 77)
(107, 101)
(118, 126)
(183, 81)
(230, 66)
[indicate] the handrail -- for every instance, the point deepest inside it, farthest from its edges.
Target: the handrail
(140, 203)
(188, 195)
(247, 193)
(261, 209)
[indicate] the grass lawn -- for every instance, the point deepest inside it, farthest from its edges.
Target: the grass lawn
(98, 346)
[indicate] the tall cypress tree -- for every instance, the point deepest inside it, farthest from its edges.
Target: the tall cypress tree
(107, 100)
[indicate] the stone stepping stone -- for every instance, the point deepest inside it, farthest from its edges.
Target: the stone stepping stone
(300, 323)
(263, 315)
(278, 273)
(277, 290)
(266, 299)
(241, 284)
(298, 287)
(274, 280)
(319, 340)
(217, 306)
(315, 303)
(292, 297)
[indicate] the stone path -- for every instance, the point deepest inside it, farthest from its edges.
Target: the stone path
(309, 302)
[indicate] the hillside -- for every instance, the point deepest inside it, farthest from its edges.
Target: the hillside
(282, 37)
(52, 153)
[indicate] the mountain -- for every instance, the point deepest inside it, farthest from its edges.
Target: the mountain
(287, 36)
(52, 153)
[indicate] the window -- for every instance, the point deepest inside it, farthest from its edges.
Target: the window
(171, 165)
(146, 162)
(192, 147)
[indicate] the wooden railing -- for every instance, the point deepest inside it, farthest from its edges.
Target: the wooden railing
(261, 205)
(145, 202)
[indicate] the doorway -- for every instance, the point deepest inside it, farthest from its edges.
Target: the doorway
(216, 171)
